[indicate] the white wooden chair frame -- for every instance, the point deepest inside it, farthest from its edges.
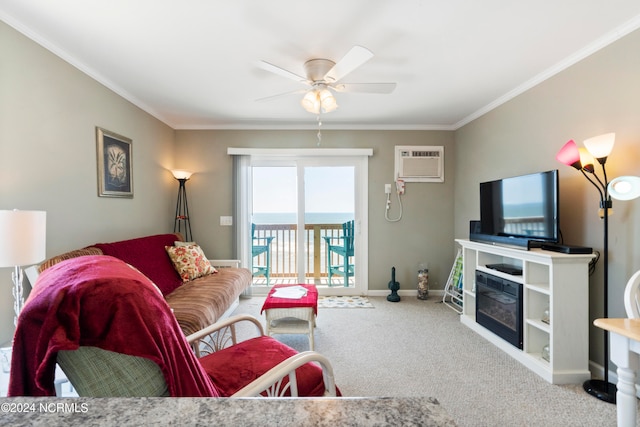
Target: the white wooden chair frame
(632, 296)
(223, 334)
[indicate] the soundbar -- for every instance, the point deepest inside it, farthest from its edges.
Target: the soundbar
(508, 241)
(566, 249)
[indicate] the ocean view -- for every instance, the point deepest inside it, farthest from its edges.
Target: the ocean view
(286, 249)
(310, 218)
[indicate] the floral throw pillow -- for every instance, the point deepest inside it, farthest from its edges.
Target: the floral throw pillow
(189, 261)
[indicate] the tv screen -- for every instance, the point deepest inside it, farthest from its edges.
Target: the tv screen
(524, 206)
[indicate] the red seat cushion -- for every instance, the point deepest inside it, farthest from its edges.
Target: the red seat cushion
(234, 367)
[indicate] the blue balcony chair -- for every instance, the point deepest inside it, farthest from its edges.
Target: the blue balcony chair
(259, 246)
(344, 252)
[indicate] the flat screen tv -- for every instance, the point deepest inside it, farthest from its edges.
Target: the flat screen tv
(521, 210)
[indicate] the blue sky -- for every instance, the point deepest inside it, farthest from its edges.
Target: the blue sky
(328, 189)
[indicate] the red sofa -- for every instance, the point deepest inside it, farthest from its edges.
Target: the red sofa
(196, 304)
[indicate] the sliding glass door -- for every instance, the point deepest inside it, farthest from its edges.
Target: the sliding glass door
(329, 207)
(308, 212)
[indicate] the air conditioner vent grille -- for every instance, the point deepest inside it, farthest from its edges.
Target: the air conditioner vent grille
(419, 164)
(422, 154)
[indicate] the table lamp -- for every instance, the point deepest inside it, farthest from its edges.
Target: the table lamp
(22, 242)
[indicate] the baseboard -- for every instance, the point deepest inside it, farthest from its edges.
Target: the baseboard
(435, 293)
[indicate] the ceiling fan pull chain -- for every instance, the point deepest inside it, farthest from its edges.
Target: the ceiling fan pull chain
(319, 131)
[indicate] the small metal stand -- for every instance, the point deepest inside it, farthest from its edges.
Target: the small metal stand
(453, 289)
(182, 212)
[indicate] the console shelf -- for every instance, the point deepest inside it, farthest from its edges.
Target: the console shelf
(552, 282)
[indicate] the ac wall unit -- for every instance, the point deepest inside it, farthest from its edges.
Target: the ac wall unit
(419, 163)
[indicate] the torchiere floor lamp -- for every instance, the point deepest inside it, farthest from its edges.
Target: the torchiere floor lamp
(182, 207)
(598, 147)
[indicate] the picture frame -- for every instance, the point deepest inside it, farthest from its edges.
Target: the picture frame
(115, 164)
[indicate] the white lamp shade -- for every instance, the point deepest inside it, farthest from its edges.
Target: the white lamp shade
(600, 146)
(181, 174)
(328, 101)
(23, 237)
(625, 187)
(310, 102)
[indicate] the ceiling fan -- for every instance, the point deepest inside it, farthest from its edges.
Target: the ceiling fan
(324, 76)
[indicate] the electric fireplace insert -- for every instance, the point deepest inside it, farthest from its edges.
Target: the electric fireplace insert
(499, 307)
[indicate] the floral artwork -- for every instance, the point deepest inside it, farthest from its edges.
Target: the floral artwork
(115, 169)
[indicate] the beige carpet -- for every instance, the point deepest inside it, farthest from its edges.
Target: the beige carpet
(419, 348)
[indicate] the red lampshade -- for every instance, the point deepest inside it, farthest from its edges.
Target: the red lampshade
(570, 155)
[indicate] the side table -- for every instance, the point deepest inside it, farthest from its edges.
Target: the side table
(292, 316)
(625, 353)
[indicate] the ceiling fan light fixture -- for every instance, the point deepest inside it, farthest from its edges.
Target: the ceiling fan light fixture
(324, 74)
(311, 102)
(327, 101)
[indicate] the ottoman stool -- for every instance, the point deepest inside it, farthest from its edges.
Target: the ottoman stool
(291, 309)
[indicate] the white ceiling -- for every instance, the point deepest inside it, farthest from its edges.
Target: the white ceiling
(193, 63)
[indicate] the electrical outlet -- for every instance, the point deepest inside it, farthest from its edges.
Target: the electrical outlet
(226, 220)
(387, 189)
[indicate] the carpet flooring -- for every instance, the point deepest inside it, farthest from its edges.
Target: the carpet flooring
(420, 348)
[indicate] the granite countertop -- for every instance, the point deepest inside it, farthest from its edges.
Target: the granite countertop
(53, 411)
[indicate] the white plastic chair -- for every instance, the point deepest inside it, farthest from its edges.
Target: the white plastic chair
(632, 296)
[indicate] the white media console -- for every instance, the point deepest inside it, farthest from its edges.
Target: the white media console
(553, 284)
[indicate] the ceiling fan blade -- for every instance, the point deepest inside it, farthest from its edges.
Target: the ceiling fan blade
(281, 71)
(357, 56)
(365, 87)
(269, 98)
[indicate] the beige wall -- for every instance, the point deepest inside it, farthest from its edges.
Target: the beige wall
(600, 94)
(423, 234)
(48, 114)
(49, 110)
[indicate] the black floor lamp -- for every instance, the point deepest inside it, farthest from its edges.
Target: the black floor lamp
(598, 147)
(182, 207)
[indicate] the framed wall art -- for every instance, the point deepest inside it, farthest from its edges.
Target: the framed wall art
(115, 164)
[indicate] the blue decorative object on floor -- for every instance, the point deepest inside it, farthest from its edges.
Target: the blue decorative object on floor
(394, 286)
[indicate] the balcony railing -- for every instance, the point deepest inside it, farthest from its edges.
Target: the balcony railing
(526, 226)
(284, 251)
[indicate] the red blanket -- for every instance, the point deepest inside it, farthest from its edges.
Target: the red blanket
(100, 301)
(309, 300)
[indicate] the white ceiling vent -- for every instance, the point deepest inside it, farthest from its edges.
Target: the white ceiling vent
(419, 163)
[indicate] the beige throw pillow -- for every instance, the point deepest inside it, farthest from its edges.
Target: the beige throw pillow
(189, 261)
